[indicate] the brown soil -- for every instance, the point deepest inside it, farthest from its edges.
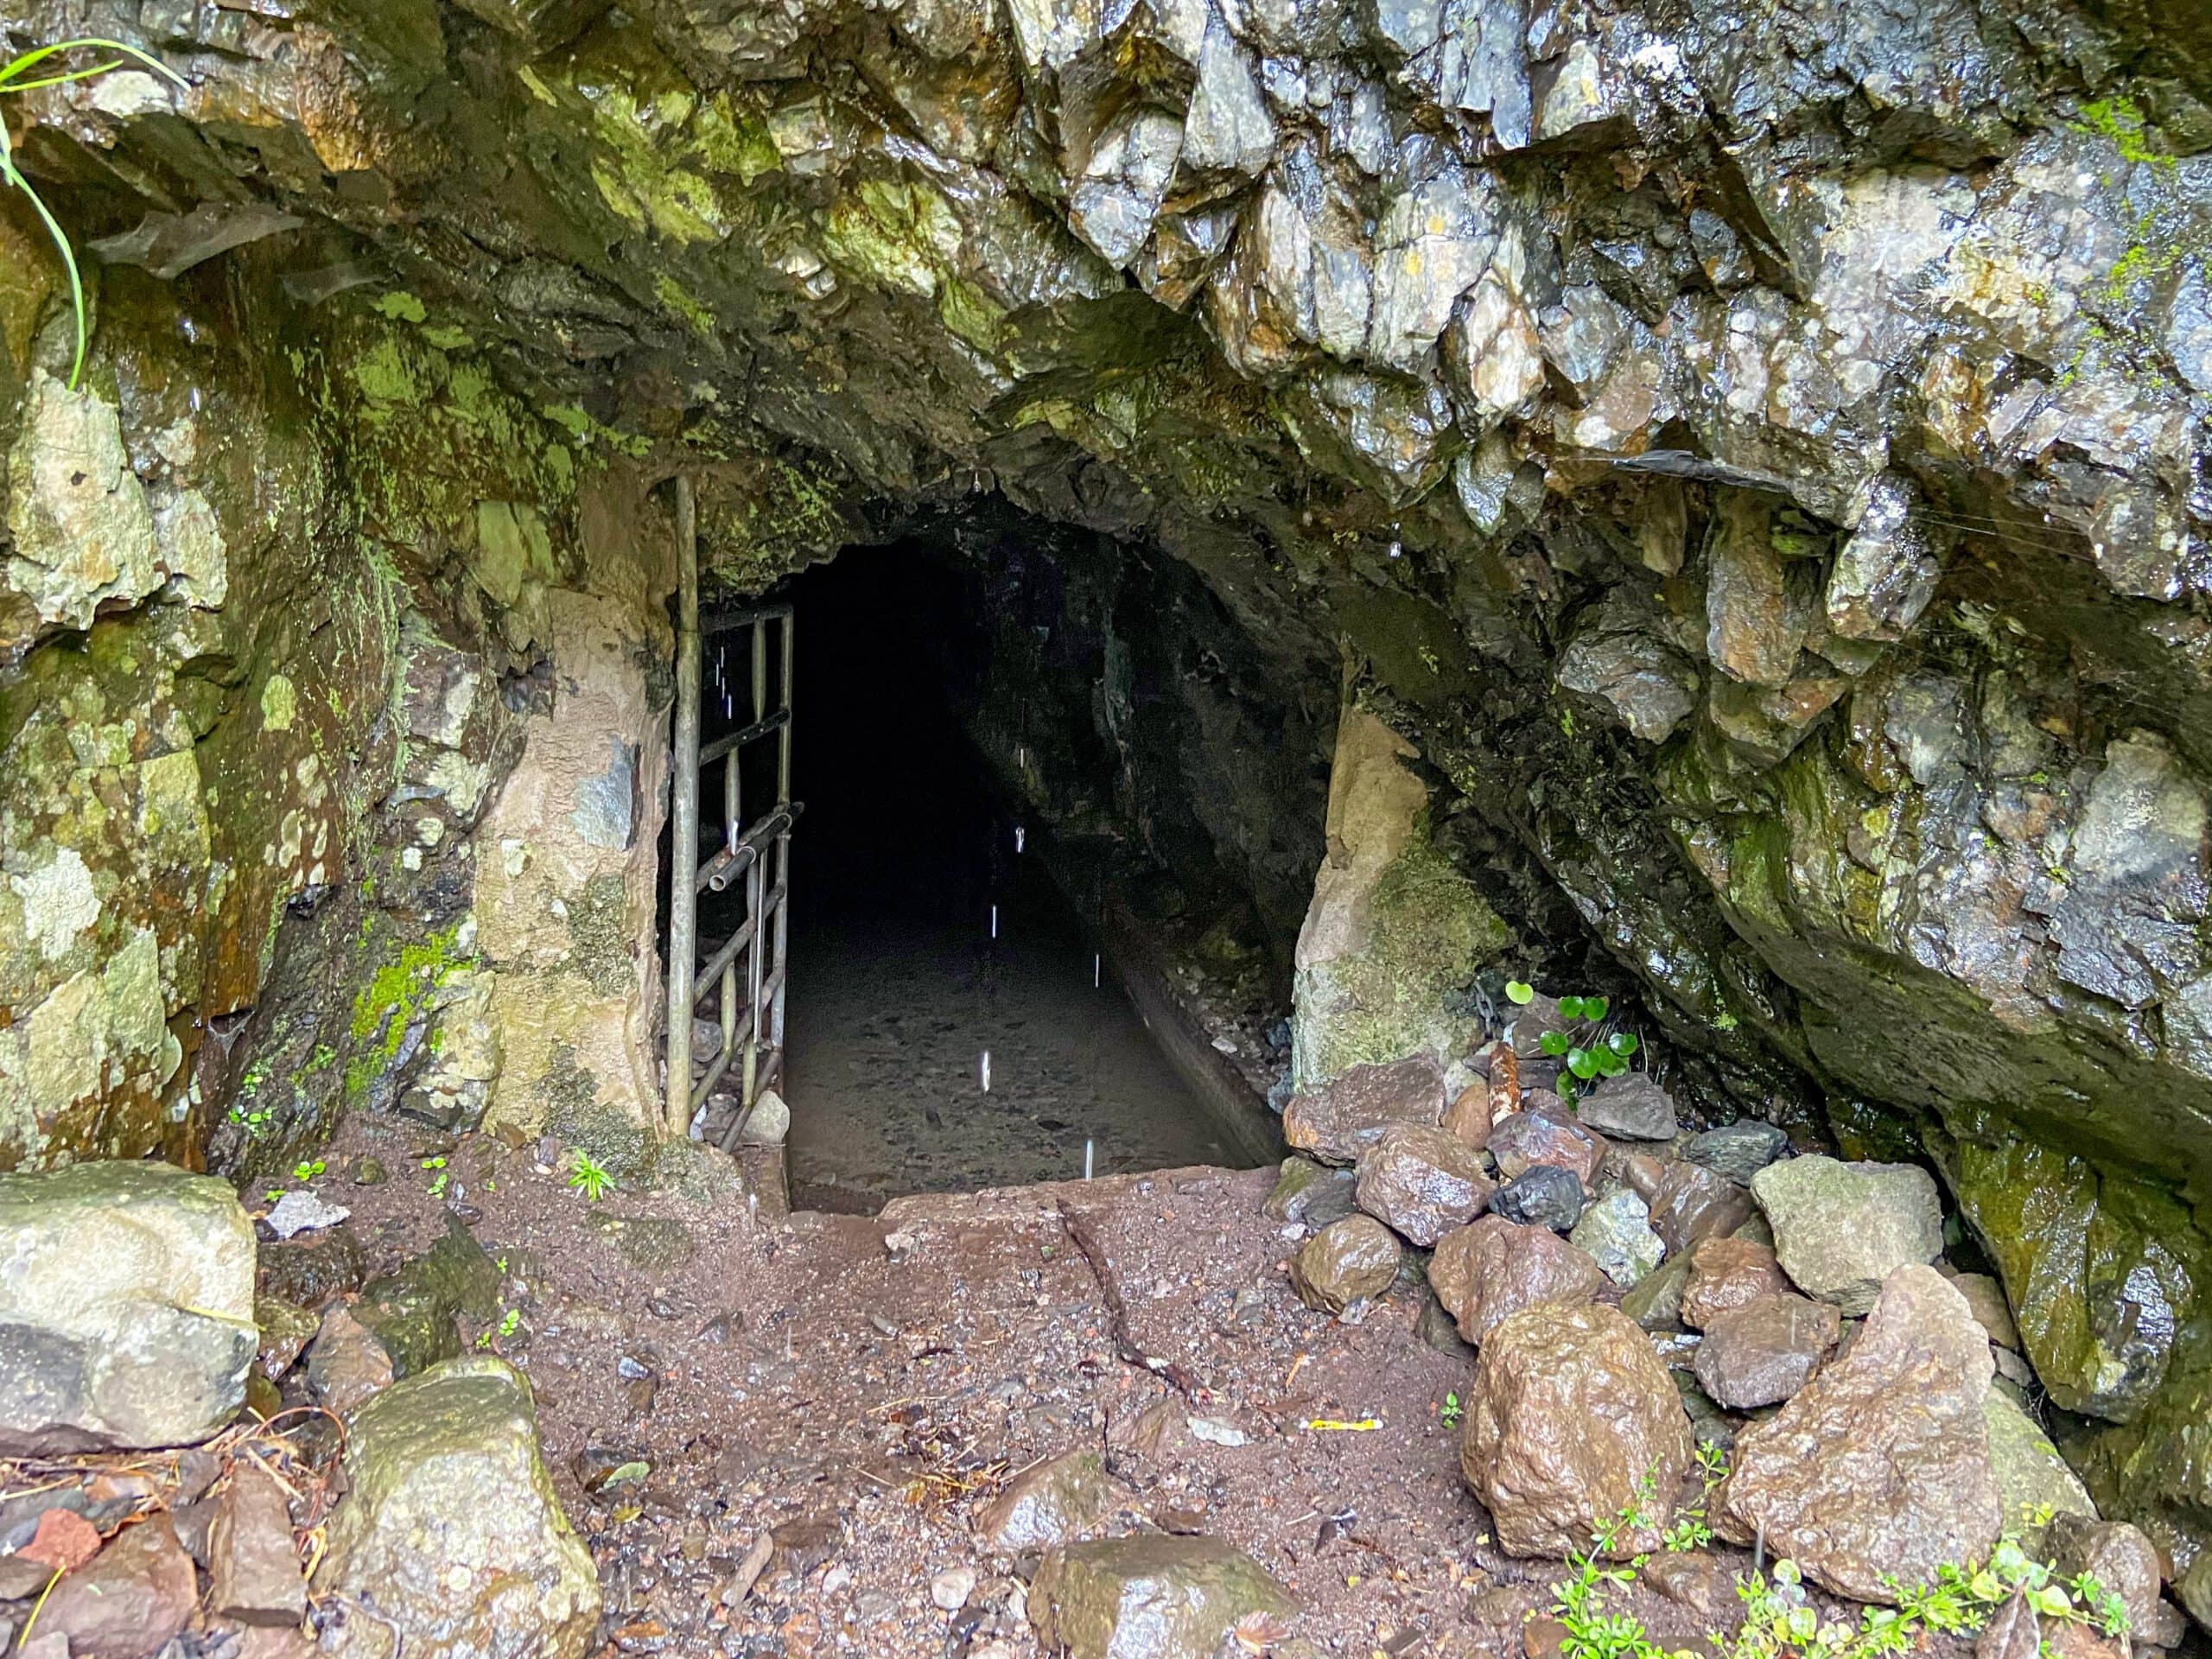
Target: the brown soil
(856, 1387)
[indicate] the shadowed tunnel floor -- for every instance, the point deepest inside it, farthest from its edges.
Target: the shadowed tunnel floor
(898, 988)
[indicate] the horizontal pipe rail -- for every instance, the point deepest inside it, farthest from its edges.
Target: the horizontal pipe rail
(726, 622)
(726, 866)
(710, 753)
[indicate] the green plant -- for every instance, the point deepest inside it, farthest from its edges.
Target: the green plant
(305, 1170)
(1689, 1530)
(589, 1178)
(1592, 1631)
(1780, 1621)
(1449, 1413)
(11, 81)
(1589, 1050)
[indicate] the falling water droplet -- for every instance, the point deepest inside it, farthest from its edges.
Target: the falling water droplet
(1020, 835)
(995, 921)
(1095, 963)
(985, 1070)
(1397, 549)
(1020, 756)
(1087, 1148)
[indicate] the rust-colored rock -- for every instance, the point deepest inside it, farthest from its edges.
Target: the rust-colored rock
(1338, 1124)
(130, 1600)
(1422, 1182)
(1527, 1139)
(1491, 1268)
(1467, 1120)
(1728, 1273)
(1762, 1352)
(1344, 1263)
(1692, 1204)
(1881, 1465)
(1569, 1413)
(253, 1568)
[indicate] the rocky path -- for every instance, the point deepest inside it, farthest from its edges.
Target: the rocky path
(808, 1423)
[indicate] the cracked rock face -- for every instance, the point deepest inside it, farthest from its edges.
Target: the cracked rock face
(1756, 456)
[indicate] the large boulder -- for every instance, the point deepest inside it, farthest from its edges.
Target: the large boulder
(1493, 1267)
(1339, 1123)
(449, 1528)
(1880, 1469)
(126, 1307)
(1570, 1415)
(1395, 931)
(1151, 1597)
(1422, 1182)
(1840, 1229)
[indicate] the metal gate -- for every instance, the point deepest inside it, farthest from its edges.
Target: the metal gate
(748, 968)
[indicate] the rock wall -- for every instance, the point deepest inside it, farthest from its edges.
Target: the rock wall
(282, 605)
(1756, 452)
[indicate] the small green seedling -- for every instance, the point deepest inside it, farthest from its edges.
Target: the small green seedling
(589, 1178)
(305, 1170)
(1450, 1412)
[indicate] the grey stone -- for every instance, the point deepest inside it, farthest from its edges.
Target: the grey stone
(2030, 1474)
(1616, 1233)
(127, 1308)
(1542, 1195)
(1840, 1229)
(1151, 1597)
(450, 1528)
(1629, 1107)
(1049, 1505)
(1737, 1150)
(1762, 1352)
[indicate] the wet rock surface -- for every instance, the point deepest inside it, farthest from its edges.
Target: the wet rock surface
(1152, 1597)
(451, 1530)
(1762, 1351)
(1422, 1182)
(1632, 1108)
(1569, 1411)
(1840, 1229)
(1493, 1268)
(1056, 1501)
(1528, 1139)
(1726, 1273)
(1544, 1195)
(1337, 1124)
(1880, 1467)
(1616, 1233)
(1346, 1262)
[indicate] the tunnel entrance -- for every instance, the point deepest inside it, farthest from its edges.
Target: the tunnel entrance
(955, 1019)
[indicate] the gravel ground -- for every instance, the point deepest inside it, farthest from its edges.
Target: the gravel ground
(824, 1402)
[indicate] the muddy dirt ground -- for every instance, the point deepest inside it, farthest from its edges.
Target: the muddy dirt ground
(842, 1393)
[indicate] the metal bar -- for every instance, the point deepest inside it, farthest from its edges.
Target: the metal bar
(705, 1086)
(724, 621)
(729, 741)
(726, 955)
(733, 827)
(747, 1092)
(726, 866)
(779, 948)
(722, 961)
(682, 896)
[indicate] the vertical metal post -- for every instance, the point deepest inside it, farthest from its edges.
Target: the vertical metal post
(783, 842)
(756, 889)
(733, 826)
(684, 833)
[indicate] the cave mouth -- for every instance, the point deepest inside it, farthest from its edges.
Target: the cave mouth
(960, 1013)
